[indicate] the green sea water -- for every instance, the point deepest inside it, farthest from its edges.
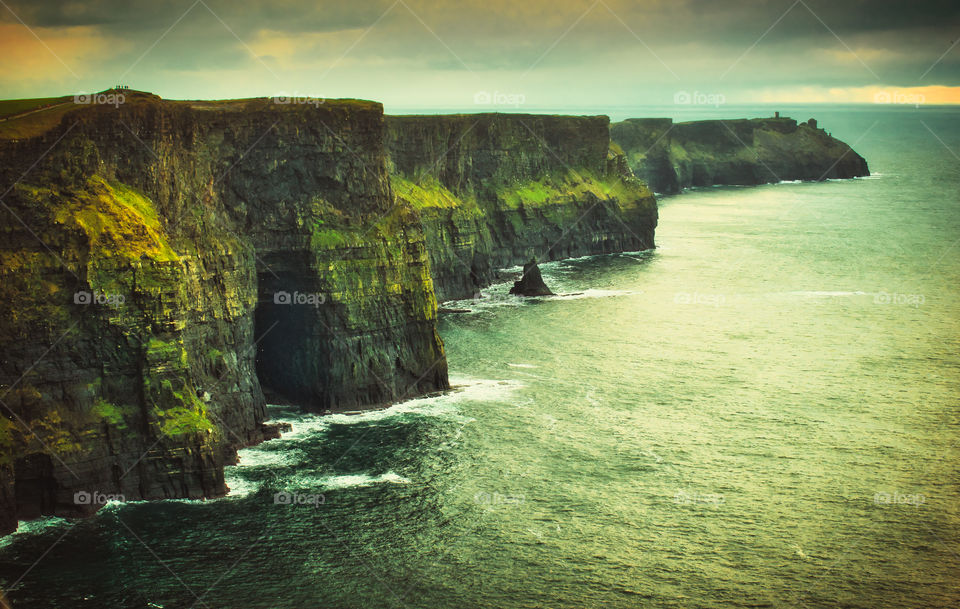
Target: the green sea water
(762, 412)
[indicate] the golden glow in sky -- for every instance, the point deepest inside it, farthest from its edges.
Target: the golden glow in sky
(442, 54)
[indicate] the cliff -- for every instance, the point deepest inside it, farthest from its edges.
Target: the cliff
(495, 190)
(161, 260)
(163, 264)
(672, 156)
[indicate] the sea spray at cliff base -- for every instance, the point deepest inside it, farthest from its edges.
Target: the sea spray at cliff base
(284, 452)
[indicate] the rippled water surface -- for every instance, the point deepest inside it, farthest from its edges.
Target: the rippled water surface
(763, 412)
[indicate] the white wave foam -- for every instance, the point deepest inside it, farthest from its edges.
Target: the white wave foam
(33, 527)
(360, 480)
(435, 406)
(490, 298)
(591, 293)
(239, 486)
(444, 405)
(274, 452)
(302, 426)
(494, 300)
(484, 390)
(826, 293)
(251, 459)
(258, 456)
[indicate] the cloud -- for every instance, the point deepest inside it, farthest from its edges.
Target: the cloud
(138, 16)
(882, 95)
(616, 45)
(59, 53)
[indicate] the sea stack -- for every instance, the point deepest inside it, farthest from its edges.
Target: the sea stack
(531, 283)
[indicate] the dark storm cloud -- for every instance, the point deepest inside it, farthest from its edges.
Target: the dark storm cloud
(849, 17)
(730, 22)
(119, 16)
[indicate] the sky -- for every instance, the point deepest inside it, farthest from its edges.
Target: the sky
(527, 53)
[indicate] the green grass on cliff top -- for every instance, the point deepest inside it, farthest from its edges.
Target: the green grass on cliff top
(279, 104)
(17, 122)
(10, 107)
(26, 118)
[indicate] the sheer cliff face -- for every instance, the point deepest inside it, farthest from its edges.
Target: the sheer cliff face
(494, 190)
(160, 254)
(163, 264)
(671, 156)
(483, 152)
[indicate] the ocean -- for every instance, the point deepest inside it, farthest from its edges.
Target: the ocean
(762, 412)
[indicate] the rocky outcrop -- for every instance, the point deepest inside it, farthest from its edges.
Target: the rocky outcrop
(672, 156)
(531, 282)
(495, 190)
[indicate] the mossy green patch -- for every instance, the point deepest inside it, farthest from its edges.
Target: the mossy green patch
(536, 193)
(533, 194)
(428, 193)
(323, 238)
(678, 152)
(55, 430)
(133, 199)
(169, 390)
(552, 190)
(6, 440)
(111, 413)
(118, 221)
(176, 408)
(187, 419)
(158, 350)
